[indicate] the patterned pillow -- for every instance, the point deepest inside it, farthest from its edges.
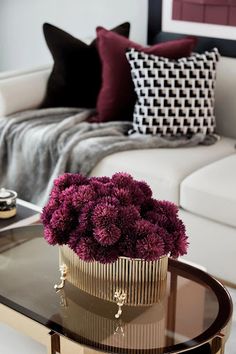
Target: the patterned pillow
(174, 97)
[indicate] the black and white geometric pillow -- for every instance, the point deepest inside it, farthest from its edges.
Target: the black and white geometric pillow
(174, 97)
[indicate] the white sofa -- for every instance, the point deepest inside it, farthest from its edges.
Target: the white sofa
(201, 180)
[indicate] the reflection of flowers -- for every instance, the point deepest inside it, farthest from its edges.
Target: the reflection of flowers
(102, 218)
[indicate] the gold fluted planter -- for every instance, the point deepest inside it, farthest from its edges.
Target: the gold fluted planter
(141, 282)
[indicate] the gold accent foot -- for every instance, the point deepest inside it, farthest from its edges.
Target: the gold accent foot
(63, 270)
(120, 298)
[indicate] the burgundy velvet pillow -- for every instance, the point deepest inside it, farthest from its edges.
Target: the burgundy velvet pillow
(117, 98)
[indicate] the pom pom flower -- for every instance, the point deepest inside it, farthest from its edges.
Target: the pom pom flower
(102, 218)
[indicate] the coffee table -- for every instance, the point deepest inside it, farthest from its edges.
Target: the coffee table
(193, 317)
(27, 213)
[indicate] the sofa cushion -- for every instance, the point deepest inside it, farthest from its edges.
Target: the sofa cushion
(174, 97)
(116, 98)
(164, 169)
(76, 76)
(211, 192)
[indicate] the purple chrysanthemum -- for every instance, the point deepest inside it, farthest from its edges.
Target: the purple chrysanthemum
(148, 205)
(62, 219)
(138, 196)
(180, 240)
(155, 218)
(150, 248)
(123, 195)
(50, 236)
(103, 179)
(48, 210)
(54, 236)
(85, 249)
(159, 212)
(83, 195)
(68, 179)
(104, 215)
(173, 224)
(81, 230)
(107, 235)
(166, 208)
(110, 199)
(180, 246)
(55, 194)
(66, 196)
(143, 228)
(122, 180)
(106, 254)
(102, 186)
(85, 218)
(127, 245)
(73, 239)
(127, 217)
(145, 189)
(167, 239)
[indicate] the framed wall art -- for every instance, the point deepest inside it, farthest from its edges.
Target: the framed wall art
(212, 21)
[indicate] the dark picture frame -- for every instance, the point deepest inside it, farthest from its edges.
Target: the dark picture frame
(227, 47)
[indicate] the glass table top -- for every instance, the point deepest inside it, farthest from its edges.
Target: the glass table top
(194, 309)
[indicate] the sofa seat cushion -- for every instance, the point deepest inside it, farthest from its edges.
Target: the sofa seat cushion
(210, 191)
(164, 169)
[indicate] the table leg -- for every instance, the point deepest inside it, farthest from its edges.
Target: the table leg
(55, 343)
(218, 345)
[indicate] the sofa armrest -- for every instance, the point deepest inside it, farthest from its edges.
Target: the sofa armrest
(22, 90)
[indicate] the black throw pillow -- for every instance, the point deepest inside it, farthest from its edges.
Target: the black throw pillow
(75, 79)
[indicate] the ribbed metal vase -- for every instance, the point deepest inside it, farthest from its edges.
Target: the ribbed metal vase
(143, 282)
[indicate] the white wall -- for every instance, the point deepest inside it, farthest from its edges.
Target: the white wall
(21, 40)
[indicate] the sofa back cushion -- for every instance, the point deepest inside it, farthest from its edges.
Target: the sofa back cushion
(16, 93)
(225, 104)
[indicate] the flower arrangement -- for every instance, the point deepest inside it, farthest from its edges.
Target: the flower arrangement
(102, 218)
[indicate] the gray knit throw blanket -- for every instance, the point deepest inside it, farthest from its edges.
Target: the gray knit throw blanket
(38, 145)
